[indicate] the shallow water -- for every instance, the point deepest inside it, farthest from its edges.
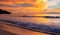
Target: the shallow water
(54, 23)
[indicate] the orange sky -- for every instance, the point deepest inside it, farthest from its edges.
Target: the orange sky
(18, 6)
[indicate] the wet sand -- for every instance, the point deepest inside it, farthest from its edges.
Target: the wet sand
(6, 29)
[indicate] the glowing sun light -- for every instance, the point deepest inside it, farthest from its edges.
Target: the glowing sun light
(38, 5)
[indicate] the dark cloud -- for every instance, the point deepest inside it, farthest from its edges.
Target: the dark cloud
(5, 5)
(25, 5)
(18, 5)
(4, 0)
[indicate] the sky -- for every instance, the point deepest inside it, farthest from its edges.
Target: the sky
(28, 6)
(53, 3)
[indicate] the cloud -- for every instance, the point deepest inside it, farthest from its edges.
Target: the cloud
(4, 0)
(25, 5)
(7, 0)
(21, 6)
(18, 0)
(5, 5)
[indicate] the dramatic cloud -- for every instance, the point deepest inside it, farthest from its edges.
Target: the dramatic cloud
(23, 6)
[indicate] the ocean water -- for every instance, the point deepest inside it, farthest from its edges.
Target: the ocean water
(38, 24)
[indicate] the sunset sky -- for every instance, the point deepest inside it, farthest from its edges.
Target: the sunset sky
(31, 8)
(28, 6)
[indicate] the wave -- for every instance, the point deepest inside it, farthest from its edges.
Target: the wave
(35, 27)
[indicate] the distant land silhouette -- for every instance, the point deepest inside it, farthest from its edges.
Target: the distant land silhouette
(4, 12)
(43, 16)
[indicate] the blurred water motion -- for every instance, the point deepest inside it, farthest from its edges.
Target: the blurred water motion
(36, 20)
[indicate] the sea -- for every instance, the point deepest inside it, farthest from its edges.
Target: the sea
(34, 23)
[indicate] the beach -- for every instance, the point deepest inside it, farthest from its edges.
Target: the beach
(13, 29)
